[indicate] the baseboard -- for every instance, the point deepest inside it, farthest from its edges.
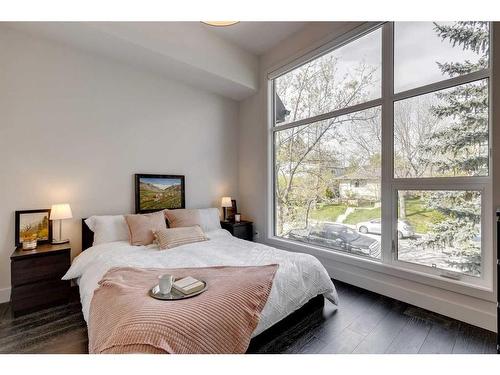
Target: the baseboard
(4, 295)
(477, 310)
(471, 310)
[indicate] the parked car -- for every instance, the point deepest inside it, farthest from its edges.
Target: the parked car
(339, 237)
(374, 226)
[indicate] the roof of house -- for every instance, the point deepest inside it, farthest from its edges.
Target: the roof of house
(281, 111)
(361, 173)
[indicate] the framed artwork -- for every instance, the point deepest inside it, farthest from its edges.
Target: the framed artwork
(31, 224)
(155, 192)
(231, 211)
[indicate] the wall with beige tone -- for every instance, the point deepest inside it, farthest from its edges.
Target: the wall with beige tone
(75, 127)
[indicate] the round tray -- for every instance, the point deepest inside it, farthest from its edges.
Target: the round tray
(173, 295)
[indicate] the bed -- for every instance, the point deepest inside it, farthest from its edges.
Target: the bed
(300, 277)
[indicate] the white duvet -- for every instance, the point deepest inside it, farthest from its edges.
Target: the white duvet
(299, 278)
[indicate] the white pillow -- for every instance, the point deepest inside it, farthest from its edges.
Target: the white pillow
(108, 228)
(210, 219)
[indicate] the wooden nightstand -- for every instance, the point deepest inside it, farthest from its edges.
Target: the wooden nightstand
(36, 277)
(242, 230)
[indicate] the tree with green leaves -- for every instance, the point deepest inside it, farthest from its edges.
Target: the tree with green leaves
(305, 156)
(460, 148)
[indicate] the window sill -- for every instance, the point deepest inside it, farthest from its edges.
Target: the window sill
(458, 286)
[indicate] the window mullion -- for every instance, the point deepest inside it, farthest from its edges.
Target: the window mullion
(387, 196)
(442, 85)
(328, 115)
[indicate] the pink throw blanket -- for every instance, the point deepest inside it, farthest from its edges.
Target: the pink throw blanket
(125, 319)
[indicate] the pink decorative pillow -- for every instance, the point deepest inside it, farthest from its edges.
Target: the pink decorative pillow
(183, 218)
(142, 227)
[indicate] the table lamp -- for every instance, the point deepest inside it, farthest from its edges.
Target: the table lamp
(226, 202)
(60, 212)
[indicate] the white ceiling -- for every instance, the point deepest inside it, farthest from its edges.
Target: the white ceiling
(257, 37)
(222, 60)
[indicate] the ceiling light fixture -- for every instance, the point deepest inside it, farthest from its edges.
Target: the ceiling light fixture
(220, 23)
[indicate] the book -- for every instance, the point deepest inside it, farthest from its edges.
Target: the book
(188, 285)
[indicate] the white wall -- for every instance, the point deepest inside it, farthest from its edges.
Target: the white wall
(478, 308)
(75, 128)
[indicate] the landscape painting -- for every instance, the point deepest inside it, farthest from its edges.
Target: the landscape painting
(158, 192)
(33, 224)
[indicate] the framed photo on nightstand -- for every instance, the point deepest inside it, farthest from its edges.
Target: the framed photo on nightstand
(233, 210)
(33, 224)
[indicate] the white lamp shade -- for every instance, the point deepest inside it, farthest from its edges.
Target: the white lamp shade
(226, 202)
(60, 211)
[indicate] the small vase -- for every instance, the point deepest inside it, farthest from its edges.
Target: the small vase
(29, 244)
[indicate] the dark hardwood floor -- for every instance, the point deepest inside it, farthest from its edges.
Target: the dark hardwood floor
(365, 322)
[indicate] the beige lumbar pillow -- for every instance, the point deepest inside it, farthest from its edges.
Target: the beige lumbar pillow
(142, 227)
(173, 237)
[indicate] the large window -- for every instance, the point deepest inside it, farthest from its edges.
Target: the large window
(384, 140)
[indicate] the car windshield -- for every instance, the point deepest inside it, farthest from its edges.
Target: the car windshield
(315, 231)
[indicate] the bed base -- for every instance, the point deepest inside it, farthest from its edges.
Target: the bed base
(283, 334)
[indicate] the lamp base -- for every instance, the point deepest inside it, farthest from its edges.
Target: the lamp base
(58, 242)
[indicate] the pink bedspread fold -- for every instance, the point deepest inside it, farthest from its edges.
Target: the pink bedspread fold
(125, 319)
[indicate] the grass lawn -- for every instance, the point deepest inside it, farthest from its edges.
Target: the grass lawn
(328, 212)
(362, 215)
(416, 214)
(419, 217)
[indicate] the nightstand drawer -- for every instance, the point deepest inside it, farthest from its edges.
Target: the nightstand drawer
(242, 229)
(32, 296)
(244, 232)
(52, 266)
